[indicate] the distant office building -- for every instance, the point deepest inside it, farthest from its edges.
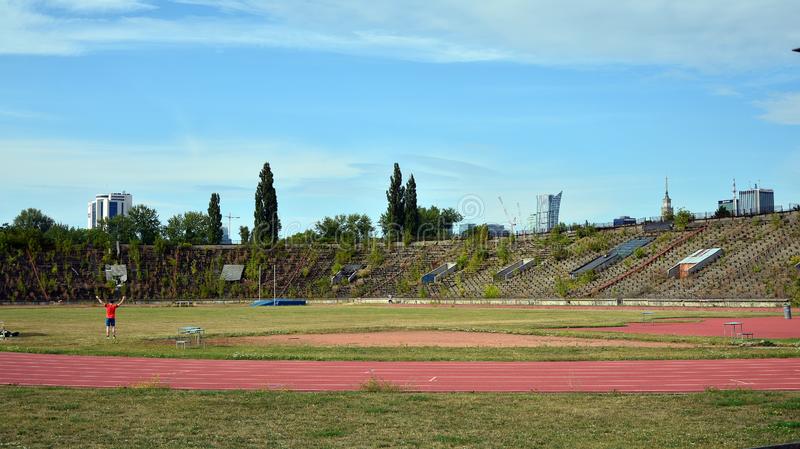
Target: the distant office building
(756, 201)
(497, 230)
(731, 205)
(492, 229)
(106, 206)
(226, 238)
(624, 221)
(666, 203)
(465, 228)
(547, 208)
(728, 205)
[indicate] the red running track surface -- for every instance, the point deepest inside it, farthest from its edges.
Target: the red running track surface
(670, 376)
(761, 327)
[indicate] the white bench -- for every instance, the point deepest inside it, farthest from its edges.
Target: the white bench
(190, 331)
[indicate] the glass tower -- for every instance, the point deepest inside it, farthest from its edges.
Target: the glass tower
(547, 207)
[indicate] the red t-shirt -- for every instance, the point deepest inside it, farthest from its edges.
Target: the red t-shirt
(111, 310)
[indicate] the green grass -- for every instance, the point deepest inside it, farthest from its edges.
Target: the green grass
(147, 331)
(159, 418)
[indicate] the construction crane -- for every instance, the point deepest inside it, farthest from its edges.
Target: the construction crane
(230, 231)
(512, 222)
(519, 214)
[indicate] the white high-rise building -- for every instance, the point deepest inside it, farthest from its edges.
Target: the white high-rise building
(107, 205)
(547, 208)
(756, 201)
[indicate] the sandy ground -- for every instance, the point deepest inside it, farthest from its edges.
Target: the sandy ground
(434, 338)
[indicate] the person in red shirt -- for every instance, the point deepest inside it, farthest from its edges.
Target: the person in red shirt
(111, 315)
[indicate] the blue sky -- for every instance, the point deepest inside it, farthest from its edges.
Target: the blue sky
(173, 100)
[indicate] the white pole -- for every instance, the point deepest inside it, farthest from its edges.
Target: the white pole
(274, 284)
(259, 281)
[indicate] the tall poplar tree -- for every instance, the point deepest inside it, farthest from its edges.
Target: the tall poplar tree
(411, 214)
(214, 220)
(244, 235)
(395, 214)
(267, 224)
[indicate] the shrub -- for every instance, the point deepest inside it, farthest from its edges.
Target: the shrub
(586, 230)
(503, 253)
(682, 219)
(407, 238)
(561, 254)
(563, 286)
(376, 255)
(491, 291)
(343, 256)
(461, 261)
(476, 261)
(776, 221)
(587, 277)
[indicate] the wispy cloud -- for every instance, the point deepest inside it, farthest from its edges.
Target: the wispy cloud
(22, 114)
(98, 6)
(783, 109)
(208, 162)
(714, 34)
(724, 91)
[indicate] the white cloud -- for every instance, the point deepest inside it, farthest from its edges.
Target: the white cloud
(22, 114)
(186, 163)
(713, 34)
(783, 109)
(98, 6)
(724, 91)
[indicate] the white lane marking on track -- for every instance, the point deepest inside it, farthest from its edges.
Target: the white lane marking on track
(741, 382)
(432, 378)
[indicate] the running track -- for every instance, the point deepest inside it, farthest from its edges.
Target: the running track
(670, 376)
(761, 327)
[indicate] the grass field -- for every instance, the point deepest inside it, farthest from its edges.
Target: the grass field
(149, 417)
(147, 331)
(155, 418)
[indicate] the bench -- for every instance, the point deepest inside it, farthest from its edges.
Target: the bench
(184, 303)
(189, 332)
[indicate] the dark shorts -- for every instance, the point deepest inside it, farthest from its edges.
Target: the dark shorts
(110, 322)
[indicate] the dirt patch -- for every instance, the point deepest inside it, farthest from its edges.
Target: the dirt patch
(434, 338)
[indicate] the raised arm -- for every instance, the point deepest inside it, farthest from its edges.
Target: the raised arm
(123, 300)
(99, 300)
